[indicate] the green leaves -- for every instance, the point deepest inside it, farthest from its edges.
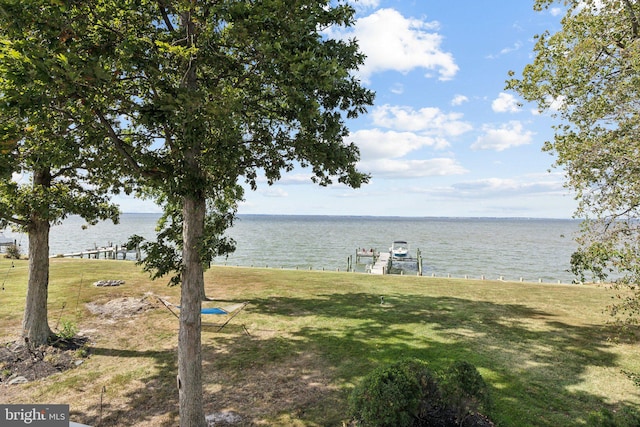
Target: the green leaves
(184, 98)
(590, 70)
(45, 135)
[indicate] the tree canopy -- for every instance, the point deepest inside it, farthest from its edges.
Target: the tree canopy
(196, 98)
(48, 159)
(587, 76)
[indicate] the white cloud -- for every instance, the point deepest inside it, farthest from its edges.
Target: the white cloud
(378, 144)
(365, 4)
(459, 100)
(556, 11)
(412, 168)
(555, 104)
(535, 184)
(508, 135)
(402, 130)
(505, 103)
(500, 186)
(516, 46)
(392, 42)
(294, 178)
(397, 89)
(427, 120)
(550, 105)
(274, 192)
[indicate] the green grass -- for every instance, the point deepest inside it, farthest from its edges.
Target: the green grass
(545, 350)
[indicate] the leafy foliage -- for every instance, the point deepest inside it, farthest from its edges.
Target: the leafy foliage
(45, 142)
(409, 393)
(253, 91)
(464, 389)
(163, 257)
(587, 76)
(12, 252)
(68, 330)
(182, 101)
(51, 161)
(394, 395)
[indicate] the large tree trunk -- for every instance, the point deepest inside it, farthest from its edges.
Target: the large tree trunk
(192, 293)
(189, 339)
(35, 324)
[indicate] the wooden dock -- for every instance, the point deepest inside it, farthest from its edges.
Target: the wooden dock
(109, 252)
(382, 263)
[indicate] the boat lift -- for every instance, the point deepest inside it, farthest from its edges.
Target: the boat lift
(382, 262)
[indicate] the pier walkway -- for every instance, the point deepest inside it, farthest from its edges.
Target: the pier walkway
(109, 252)
(382, 263)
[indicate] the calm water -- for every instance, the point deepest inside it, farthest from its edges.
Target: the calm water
(513, 248)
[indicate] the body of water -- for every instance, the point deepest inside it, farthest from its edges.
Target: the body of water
(531, 249)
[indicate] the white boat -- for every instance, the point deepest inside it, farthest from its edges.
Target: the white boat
(399, 249)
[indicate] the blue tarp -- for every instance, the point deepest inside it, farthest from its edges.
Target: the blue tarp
(213, 311)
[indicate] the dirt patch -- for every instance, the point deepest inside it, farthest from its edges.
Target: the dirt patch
(292, 386)
(124, 307)
(20, 364)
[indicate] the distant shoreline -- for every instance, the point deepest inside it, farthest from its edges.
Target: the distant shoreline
(394, 217)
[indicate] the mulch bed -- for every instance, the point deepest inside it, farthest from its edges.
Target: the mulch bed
(20, 363)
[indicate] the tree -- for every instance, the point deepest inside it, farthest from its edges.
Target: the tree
(587, 75)
(196, 96)
(43, 141)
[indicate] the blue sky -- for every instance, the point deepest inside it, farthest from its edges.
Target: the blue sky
(444, 138)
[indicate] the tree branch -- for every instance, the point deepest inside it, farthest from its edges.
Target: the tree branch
(64, 171)
(14, 220)
(119, 144)
(165, 16)
(634, 19)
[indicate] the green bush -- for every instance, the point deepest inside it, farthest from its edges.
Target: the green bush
(395, 395)
(68, 331)
(12, 252)
(408, 393)
(464, 390)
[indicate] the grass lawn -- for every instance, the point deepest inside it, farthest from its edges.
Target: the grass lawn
(545, 350)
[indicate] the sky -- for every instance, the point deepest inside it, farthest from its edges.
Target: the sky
(444, 137)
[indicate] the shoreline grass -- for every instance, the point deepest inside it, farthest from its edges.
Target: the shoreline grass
(544, 349)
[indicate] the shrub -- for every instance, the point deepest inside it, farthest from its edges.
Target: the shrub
(464, 390)
(13, 252)
(408, 393)
(68, 331)
(395, 395)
